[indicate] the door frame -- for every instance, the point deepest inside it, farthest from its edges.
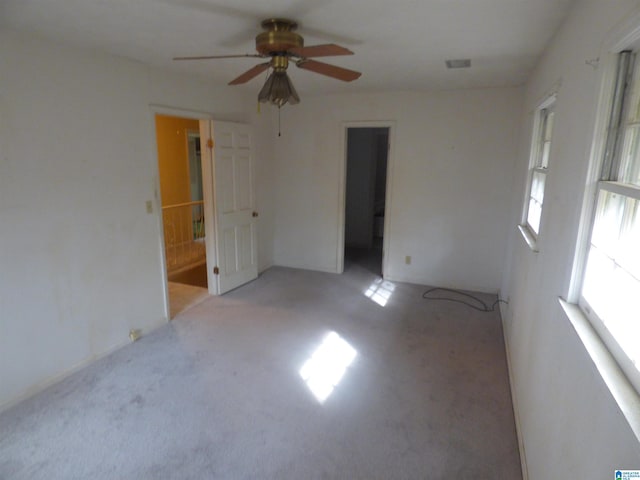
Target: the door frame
(182, 113)
(342, 190)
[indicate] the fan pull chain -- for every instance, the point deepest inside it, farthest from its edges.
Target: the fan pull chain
(279, 121)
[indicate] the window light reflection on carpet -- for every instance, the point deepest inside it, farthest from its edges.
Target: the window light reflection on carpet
(326, 366)
(380, 291)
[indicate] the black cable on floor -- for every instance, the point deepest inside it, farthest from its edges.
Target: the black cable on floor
(483, 308)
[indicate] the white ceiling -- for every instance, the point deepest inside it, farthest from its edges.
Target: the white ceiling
(398, 45)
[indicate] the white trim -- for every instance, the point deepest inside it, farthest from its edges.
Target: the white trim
(156, 109)
(611, 343)
(388, 202)
(625, 35)
(624, 189)
(621, 389)
(596, 155)
(170, 111)
(550, 98)
(158, 209)
(342, 197)
(49, 381)
(46, 383)
(534, 153)
(578, 310)
(547, 102)
(592, 331)
(206, 158)
(529, 237)
(415, 280)
(342, 202)
(307, 266)
(533, 148)
(514, 397)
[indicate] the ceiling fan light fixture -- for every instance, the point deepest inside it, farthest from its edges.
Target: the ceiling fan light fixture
(281, 45)
(278, 90)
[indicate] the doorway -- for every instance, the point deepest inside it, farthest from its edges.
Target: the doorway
(183, 218)
(367, 155)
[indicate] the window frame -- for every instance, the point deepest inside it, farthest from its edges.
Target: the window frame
(538, 165)
(606, 179)
(625, 36)
(613, 345)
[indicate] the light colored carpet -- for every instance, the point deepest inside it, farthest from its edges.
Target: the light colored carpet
(218, 392)
(367, 258)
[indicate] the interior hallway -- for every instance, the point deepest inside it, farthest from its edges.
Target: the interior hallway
(368, 258)
(182, 297)
(218, 392)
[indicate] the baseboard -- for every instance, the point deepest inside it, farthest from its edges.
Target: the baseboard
(514, 399)
(426, 282)
(264, 268)
(313, 268)
(44, 384)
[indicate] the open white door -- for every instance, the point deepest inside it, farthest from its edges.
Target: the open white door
(234, 229)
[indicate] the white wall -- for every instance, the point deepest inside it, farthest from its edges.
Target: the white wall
(569, 422)
(453, 160)
(264, 133)
(80, 259)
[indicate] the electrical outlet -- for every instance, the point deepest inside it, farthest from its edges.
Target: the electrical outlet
(149, 205)
(407, 260)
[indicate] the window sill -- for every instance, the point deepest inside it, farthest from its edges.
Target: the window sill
(625, 395)
(529, 238)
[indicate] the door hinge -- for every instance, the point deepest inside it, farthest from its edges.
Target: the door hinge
(216, 271)
(210, 143)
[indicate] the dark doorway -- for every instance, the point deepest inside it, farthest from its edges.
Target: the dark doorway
(367, 152)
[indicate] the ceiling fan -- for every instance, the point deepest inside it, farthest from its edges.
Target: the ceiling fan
(281, 44)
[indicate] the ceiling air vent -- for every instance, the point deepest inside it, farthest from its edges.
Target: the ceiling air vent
(461, 63)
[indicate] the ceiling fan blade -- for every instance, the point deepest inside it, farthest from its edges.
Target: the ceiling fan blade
(327, 50)
(211, 57)
(251, 73)
(332, 71)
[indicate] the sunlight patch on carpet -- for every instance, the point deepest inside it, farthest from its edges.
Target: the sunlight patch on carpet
(326, 366)
(380, 291)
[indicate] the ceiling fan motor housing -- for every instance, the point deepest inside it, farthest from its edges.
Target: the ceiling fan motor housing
(278, 37)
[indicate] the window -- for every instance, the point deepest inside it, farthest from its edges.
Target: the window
(611, 282)
(540, 148)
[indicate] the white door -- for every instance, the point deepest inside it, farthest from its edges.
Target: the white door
(234, 229)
